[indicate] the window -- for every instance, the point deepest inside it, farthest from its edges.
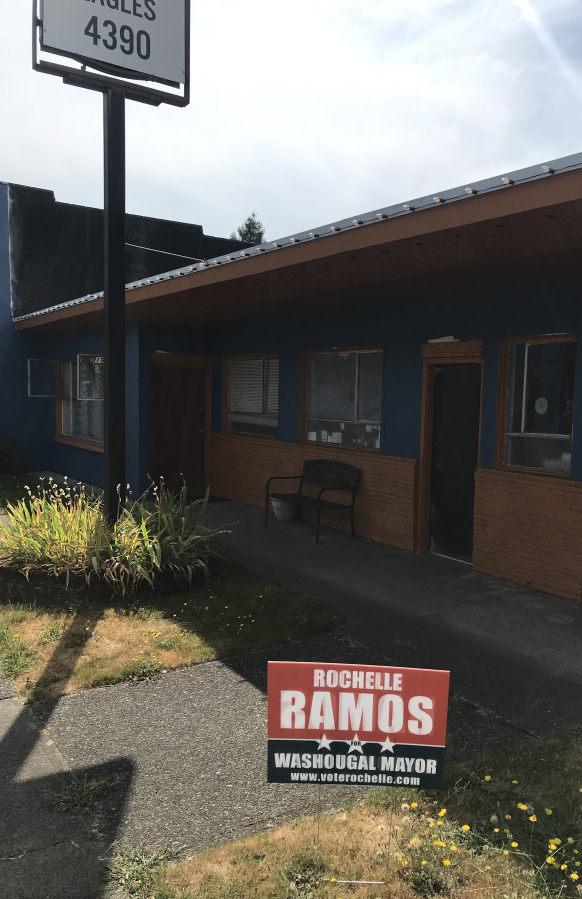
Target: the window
(82, 397)
(344, 398)
(253, 396)
(538, 431)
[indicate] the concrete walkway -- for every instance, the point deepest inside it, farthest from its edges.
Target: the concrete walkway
(513, 651)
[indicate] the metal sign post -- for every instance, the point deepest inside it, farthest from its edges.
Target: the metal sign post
(114, 49)
(114, 301)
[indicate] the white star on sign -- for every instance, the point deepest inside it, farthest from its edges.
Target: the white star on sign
(356, 745)
(323, 743)
(387, 745)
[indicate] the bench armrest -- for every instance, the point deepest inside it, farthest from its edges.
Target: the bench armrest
(292, 477)
(323, 489)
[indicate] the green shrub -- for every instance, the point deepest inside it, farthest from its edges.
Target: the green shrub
(64, 531)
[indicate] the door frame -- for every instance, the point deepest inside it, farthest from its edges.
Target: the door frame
(182, 360)
(434, 354)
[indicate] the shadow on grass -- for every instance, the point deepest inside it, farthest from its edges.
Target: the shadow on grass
(47, 852)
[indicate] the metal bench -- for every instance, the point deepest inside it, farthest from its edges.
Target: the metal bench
(324, 473)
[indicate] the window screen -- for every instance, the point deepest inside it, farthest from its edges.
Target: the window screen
(82, 417)
(539, 405)
(253, 396)
(344, 398)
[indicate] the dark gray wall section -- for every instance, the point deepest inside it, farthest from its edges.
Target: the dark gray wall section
(30, 423)
(57, 248)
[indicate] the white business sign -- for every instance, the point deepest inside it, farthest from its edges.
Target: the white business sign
(146, 36)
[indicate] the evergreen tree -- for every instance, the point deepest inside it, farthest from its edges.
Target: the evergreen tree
(251, 230)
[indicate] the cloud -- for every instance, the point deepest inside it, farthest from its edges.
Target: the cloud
(313, 111)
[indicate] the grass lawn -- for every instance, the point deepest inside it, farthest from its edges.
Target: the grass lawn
(505, 827)
(49, 648)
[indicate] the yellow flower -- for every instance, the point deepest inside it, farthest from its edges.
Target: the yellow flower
(533, 818)
(487, 777)
(496, 830)
(465, 827)
(513, 781)
(453, 848)
(522, 806)
(508, 817)
(440, 823)
(514, 845)
(574, 876)
(431, 824)
(577, 864)
(563, 867)
(570, 839)
(332, 879)
(549, 811)
(415, 839)
(551, 860)
(505, 852)
(442, 812)
(88, 629)
(414, 805)
(446, 862)
(556, 840)
(423, 862)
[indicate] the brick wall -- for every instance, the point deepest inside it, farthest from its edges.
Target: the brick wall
(528, 529)
(385, 504)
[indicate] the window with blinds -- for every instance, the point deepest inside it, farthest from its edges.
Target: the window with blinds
(253, 395)
(82, 417)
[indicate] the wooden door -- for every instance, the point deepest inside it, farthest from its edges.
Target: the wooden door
(179, 416)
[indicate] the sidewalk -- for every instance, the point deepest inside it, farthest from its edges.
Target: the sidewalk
(44, 853)
(511, 650)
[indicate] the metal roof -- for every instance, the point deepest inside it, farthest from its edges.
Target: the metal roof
(454, 195)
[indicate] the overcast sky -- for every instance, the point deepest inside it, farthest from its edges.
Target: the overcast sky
(312, 111)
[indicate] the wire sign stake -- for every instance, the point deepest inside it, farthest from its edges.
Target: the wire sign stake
(366, 725)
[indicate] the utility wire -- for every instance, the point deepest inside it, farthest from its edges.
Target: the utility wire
(165, 252)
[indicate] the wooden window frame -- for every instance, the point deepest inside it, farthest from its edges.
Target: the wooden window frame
(303, 396)
(94, 446)
(502, 388)
(433, 354)
(225, 390)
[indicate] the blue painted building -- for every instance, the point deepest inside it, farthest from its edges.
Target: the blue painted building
(430, 344)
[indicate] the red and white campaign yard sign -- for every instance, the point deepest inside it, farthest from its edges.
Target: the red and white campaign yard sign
(356, 724)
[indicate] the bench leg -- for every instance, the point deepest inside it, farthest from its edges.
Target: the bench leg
(352, 521)
(317, 525)
(267, 509)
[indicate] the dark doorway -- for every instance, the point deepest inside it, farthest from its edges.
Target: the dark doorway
(179, 415)
(455, 454)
